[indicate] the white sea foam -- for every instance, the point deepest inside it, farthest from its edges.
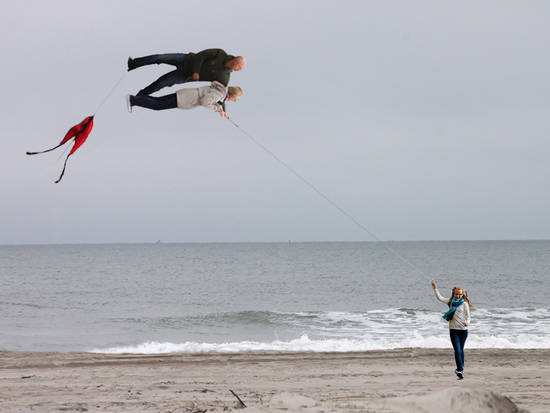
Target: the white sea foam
(304, 343)
(373, 330)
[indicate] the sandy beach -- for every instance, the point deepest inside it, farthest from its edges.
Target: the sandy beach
(376, 381)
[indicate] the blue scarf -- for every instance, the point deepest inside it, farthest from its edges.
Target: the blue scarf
(454, 304)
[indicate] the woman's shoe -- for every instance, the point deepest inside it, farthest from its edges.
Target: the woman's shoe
(129, 103)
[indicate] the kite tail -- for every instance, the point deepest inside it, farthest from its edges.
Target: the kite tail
(47, 150)
(73, 132)
(63, 171)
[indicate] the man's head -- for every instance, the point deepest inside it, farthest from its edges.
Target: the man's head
(236, 64)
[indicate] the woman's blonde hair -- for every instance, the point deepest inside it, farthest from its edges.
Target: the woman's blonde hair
(464, 295)
(235, 92)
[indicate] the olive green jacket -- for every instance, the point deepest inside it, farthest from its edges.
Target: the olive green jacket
(209, 64)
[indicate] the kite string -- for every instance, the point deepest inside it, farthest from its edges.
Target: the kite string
(111, 92)
(326, 198)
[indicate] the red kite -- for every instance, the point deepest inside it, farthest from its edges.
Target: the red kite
(79, 132)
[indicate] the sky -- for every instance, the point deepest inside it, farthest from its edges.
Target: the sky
(423, 120)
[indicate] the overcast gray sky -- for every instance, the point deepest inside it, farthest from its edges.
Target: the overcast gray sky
(424, 120)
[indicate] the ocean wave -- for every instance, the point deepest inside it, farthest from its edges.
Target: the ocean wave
(305, 344)
(337, 331)
(392, 328)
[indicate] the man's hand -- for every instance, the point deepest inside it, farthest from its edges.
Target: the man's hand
(195, 77)
(223, 114)
(433, 285)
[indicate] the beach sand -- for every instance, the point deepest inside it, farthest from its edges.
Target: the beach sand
(407, 380)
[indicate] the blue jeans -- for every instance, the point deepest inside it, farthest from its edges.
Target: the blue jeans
(156, 103)
(458, 338)
(174, 59)
(169, 79)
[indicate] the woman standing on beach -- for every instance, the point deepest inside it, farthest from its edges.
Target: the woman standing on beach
(458, 317)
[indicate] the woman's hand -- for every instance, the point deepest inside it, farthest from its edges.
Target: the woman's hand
(433, 285)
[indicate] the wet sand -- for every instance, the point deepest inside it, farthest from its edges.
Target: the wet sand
(376, 381)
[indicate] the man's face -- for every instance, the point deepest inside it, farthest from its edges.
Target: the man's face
(237, 64)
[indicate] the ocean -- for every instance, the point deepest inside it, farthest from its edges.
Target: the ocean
(244, 297)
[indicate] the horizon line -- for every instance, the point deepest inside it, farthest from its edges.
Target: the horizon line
(267, 242)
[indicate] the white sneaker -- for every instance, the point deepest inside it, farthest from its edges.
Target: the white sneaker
(128, 104)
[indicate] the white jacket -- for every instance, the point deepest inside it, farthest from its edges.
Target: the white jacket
(461, 316)
(207, 96)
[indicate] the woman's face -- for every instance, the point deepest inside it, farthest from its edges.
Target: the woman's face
(458, 293)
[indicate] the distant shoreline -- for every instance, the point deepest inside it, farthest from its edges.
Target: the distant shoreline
(160, 242)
